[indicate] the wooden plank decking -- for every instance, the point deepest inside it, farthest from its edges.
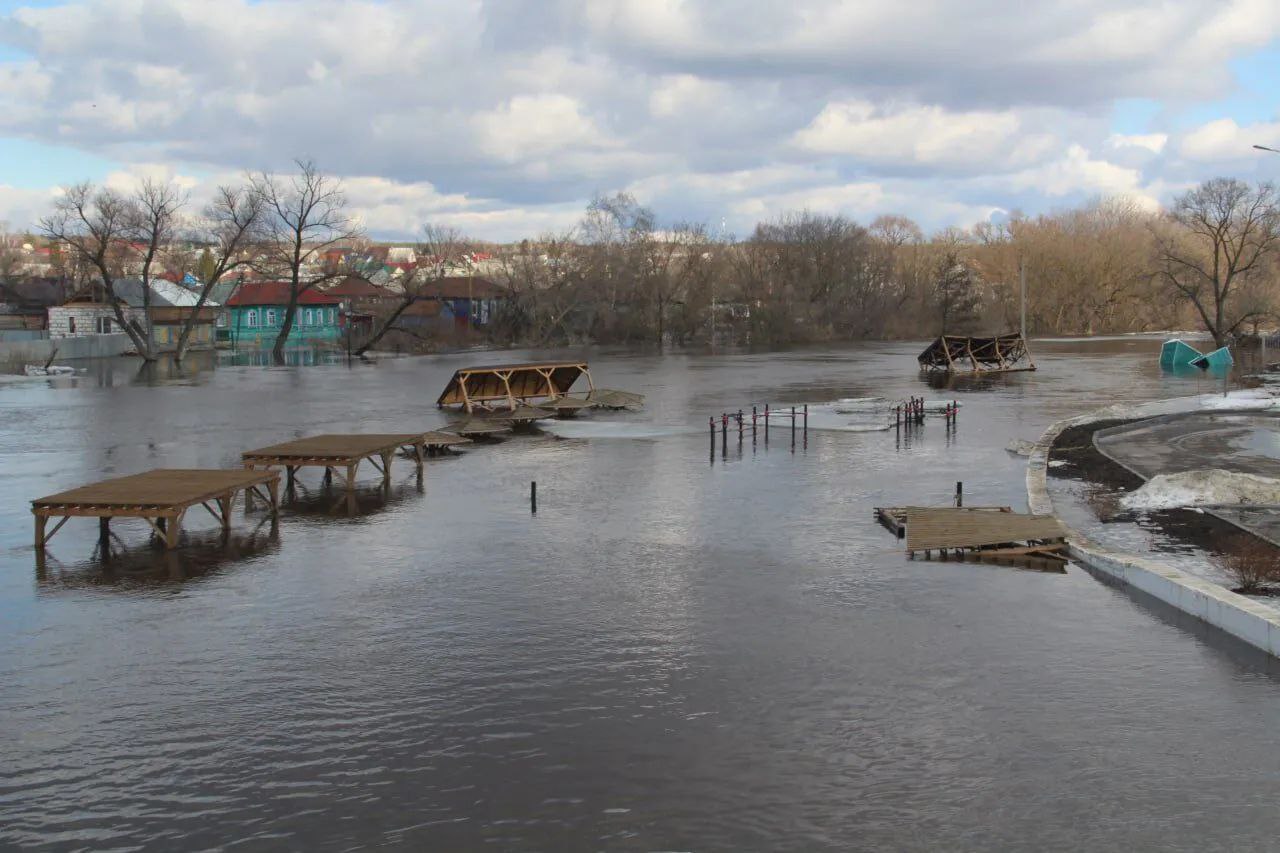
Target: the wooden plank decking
(339, 451)
(939, 528)
(161, 497)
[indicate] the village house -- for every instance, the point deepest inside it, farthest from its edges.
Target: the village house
(459, 302)
(257, 312)
(90, 312)
(25, 303)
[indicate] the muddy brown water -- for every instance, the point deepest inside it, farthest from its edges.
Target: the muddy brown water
(671, 655)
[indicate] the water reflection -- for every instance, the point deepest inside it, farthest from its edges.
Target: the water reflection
(365, 500)
(150, 565)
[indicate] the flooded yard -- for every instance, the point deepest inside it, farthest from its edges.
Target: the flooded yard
(679, 651)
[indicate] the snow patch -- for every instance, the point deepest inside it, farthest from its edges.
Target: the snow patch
(1205, 487)
(1021, 447)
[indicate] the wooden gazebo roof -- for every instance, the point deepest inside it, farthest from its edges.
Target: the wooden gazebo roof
(479, 387)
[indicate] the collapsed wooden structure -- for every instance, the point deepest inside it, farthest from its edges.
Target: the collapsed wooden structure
(990, 534)
(343, 453)
(507, 386)
(963, 354)
(523, 393)
(160, 497)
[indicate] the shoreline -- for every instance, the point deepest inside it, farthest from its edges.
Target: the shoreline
(1254, 623)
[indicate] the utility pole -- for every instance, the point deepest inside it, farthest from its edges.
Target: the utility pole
(1022, 278)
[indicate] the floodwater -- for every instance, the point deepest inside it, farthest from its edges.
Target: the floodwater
(677, 652)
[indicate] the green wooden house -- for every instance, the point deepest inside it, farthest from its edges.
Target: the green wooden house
(255, 314)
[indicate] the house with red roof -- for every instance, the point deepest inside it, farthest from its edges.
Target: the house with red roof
(256, 314)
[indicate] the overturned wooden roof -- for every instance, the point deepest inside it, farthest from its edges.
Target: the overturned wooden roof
(962, 352)
(932, 528)
(511, 382)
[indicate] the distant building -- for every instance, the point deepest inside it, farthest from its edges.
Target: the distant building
(91, 312)
(257, 312)
(25, 303)
(465, 301)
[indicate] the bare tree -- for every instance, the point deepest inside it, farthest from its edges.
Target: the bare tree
(10, 254)
(441, 251)
(93, 225)
(305, 215)
(153, 223)
(1214, 249)
(230, 231)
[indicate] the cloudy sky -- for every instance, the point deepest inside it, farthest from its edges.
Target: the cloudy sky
(503, 117)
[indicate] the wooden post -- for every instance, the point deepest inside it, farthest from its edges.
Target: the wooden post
(793, 427)
(41, 521)
(288, 474)
(386, 466)
(959, 493)
(273, 489)
(224, 507)
(328, 477)
(351, 475)
(766, 423)
(419, 460)
(806, 419)
(173, 531)
(740, 426)
(533, 497)
(104, 533)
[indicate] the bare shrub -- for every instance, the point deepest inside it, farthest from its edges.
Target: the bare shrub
(1252, 564)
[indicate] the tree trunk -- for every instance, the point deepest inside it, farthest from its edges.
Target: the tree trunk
(188, 324)
(386, 327)
(130, 329)
(277, 351)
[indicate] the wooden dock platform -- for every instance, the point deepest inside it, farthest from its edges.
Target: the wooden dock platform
(979, 534)
(160, 497)
(339, 451)
(437, 443)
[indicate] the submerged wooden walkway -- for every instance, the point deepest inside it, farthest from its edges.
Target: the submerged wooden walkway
(339, 451)
(160, 497)
(981, 534)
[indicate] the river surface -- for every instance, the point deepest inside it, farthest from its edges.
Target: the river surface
(675, 653)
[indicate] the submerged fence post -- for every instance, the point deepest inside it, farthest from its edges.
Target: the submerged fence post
(793, 427)
(959, 493)
(533, 496)
(766, 423)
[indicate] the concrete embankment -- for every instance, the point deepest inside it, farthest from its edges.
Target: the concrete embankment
(1253, 623)
(38, 351)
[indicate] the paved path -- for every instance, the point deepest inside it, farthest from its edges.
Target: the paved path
(1232, 441)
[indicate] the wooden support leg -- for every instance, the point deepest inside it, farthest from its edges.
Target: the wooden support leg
(328, 477)
(386, 466)
(41, 521)
(173, 531)
(248, 493)
(351, 474)
(224, 504)
(417, 456)
(273, 486)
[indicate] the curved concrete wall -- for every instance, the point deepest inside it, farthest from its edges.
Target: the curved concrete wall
(1254, 623)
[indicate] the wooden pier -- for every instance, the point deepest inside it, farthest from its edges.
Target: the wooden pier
(979, 534)
(160, 497)
(339, 452)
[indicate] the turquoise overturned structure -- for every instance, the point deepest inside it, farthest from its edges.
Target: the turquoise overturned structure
(1177, 354)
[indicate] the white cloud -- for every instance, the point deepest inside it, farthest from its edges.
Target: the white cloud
(1079, 173)
(1153, 142)
(1223, 139)
(534, 126)
(927, 135)
(494, 111)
